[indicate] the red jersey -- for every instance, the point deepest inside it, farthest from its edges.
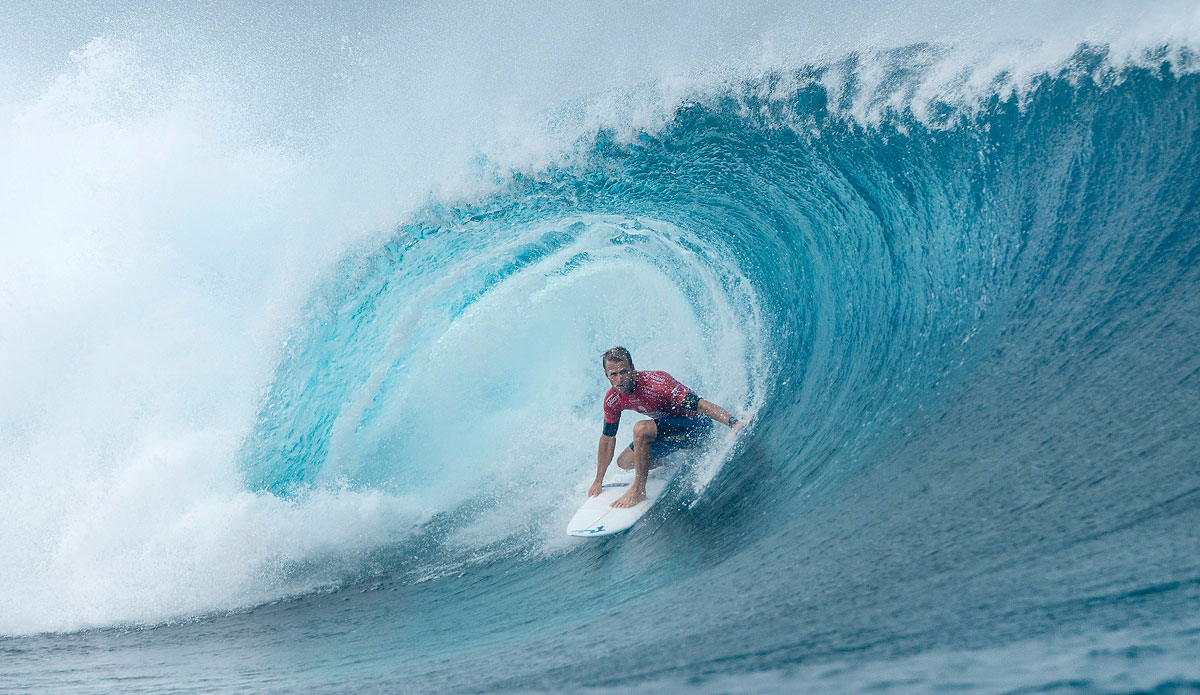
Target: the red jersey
(657, 394)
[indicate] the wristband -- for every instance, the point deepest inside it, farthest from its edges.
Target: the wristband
(732, 421)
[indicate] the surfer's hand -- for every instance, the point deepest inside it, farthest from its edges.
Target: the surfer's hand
(596, 488)
(738, 425)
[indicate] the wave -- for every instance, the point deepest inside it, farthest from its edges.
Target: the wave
(954, 295)
(978, 300)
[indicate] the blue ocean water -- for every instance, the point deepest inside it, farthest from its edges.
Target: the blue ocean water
(964, 329)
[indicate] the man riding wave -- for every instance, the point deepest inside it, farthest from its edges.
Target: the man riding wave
(678, 421)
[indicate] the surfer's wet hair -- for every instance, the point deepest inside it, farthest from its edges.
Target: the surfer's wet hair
(617, 354)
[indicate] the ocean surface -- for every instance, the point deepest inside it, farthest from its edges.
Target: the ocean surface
(301, 308)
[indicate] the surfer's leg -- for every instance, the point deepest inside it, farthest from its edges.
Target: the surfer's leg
(625, 460)
(657, 450)
(644, 434)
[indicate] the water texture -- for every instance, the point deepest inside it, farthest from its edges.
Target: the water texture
(958, 303)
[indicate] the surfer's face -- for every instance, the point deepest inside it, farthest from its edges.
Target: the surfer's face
(621, 376)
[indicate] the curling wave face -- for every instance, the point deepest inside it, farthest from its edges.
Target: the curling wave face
(460, 351)
(965, 332)
(968, 344)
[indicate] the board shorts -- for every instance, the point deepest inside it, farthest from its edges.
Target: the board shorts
(679, 433)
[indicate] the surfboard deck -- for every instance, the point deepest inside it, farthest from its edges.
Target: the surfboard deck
(597, 517)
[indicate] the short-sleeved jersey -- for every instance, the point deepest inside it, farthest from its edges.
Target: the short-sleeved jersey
(657, 394)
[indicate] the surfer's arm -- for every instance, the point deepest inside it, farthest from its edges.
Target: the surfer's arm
(719, 414)
(604, 456)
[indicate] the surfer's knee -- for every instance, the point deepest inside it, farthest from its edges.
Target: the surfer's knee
(645, 431)
(625, 460)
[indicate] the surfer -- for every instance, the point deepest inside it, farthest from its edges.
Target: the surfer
(677, 422)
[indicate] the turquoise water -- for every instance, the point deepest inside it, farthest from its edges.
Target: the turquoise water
(958, 302)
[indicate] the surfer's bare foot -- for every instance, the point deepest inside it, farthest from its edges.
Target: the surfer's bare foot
(630, 498)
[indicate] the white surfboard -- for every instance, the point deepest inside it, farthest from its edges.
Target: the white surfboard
(597, 516)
